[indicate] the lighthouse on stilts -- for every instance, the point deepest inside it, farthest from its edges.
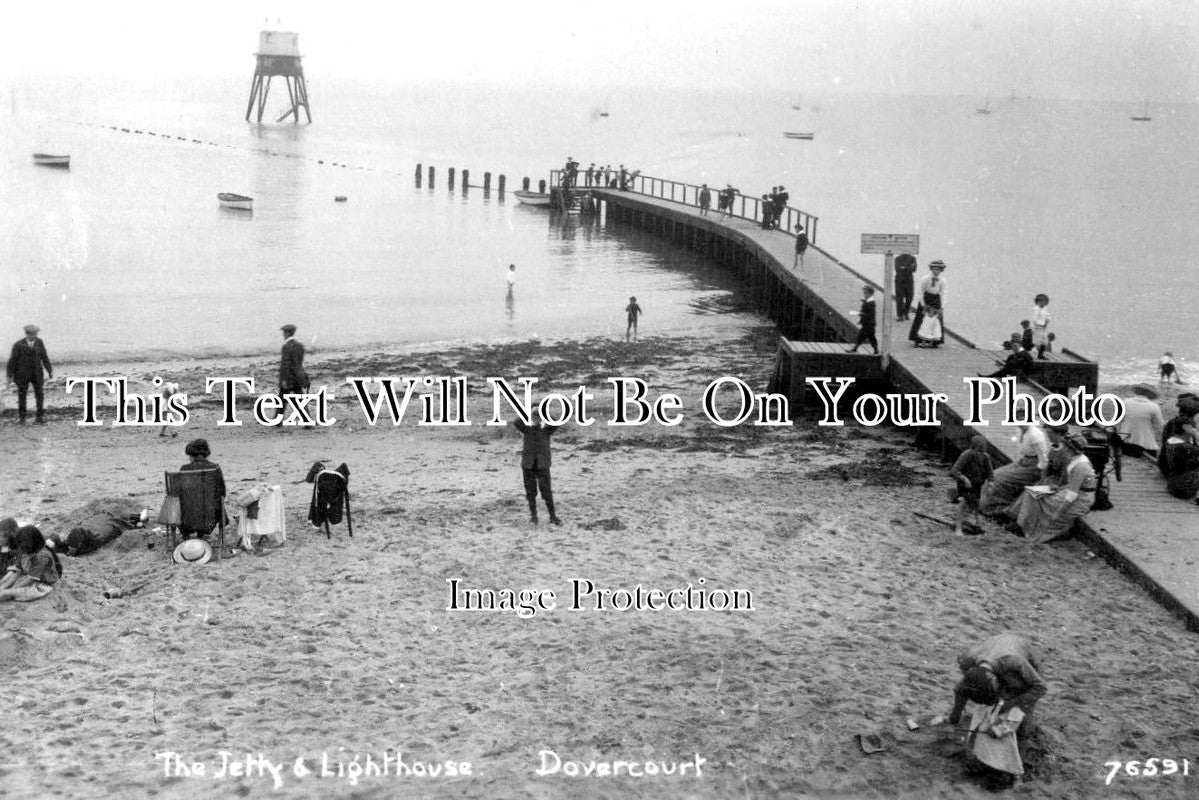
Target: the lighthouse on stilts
(279, 54)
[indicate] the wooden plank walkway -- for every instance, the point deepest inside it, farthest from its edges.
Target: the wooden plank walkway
(1149, 534)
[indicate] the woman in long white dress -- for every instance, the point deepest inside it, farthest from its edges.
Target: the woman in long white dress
(1046, 512)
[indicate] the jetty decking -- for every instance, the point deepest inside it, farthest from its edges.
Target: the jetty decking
(1149, 534)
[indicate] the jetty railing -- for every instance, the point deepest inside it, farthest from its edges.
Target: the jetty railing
(744, 206)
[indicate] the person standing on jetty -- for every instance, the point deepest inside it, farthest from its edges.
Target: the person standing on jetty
(866, 321)
(905, 285)
(705, 200)
(25, 365)
(292, 377)
(511, 278)
(535, 465)
(1040, 325)
(1142, 425)
(632, 311)
(801, 245)
(932, 303)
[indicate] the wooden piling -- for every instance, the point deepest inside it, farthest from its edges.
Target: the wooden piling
(487, 181)
(524, 184)
(465, 179)
(502, 180)
(418, 172)
(450, 178)
(541, 186)
(431, 174)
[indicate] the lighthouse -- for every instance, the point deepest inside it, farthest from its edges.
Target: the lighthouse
(279, 54)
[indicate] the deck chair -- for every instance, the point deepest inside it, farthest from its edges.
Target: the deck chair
(192, 503)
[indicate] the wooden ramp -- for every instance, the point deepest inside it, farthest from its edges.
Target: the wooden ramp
(1149, 534)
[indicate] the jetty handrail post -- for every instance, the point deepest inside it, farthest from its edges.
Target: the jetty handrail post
(884, 346)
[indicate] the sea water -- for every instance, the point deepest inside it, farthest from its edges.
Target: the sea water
(127, 254)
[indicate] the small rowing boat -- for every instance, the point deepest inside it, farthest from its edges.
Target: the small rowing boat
(47, 160)
(238, 201)
(796, 135)
(532, 198)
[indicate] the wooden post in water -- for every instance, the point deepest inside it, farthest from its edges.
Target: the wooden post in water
(431, 175)
(450, 178)
(524, 184)
(502, 181)
(487, 181)
(465, 179)
(541, 186)
(418, 171)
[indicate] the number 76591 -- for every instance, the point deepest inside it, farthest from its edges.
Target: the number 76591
(1149, 768)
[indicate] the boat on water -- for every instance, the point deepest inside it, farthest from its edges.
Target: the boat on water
(532, 198)
(237, 201)
(1144, 115)
(986, 109)
(799, 135)
(47, 160)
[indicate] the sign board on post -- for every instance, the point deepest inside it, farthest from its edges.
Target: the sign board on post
(887, 244)
(883, 243)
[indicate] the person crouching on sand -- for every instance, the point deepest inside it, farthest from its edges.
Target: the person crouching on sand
(971, 472)
(35, 572)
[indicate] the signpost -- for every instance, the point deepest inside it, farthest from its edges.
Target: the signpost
(887, 244)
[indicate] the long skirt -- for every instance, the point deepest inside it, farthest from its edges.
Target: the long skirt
(1007, 483)
(1045, 517)
(927, 301)
(1184, 485)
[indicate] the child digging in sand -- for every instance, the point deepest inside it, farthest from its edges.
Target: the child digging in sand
(972, 469)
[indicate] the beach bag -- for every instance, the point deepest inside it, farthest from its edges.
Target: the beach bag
(930, 328)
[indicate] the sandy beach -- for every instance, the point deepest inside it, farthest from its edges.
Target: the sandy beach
(322, 650)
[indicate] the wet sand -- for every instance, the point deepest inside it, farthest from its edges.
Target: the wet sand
(344, 646)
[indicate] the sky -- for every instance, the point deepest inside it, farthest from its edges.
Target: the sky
(1075, 49)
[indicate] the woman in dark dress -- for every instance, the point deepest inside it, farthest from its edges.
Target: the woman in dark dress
(198, 451)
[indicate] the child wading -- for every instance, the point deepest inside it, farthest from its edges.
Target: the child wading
(633, 311)
(972, 469)
(866, 320)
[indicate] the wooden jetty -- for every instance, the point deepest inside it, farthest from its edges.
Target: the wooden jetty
(1149, 534)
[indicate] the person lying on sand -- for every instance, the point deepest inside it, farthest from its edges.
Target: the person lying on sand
(35, 572)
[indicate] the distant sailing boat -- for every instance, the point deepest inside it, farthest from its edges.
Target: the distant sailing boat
(1144, 115)
(604, 111)
(986, 109)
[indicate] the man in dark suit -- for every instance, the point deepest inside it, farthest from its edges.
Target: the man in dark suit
(25, 367)
(535, 463)
(292, 377)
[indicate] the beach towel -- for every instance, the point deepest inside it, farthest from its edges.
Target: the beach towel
(992, 737)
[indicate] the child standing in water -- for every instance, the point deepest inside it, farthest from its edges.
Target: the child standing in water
(633, 311)
(1040, 324)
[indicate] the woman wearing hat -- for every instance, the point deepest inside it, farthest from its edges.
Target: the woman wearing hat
(932, 306)
(1179, 460)
(198, 451)
(1044, 513)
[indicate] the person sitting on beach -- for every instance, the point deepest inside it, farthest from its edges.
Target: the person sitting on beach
(1180, 427)
(971, 472)
(36, 570)
(1002, 670)
(1142, 425)
(8, 543)
(1031, 466)
(1179, 456)
(198, 451)
(1046, 512)
(1166, 369)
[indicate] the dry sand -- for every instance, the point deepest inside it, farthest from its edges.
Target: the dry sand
(344, 647)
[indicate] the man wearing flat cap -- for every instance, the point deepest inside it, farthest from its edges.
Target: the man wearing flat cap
(25, 366)
(292, 377)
